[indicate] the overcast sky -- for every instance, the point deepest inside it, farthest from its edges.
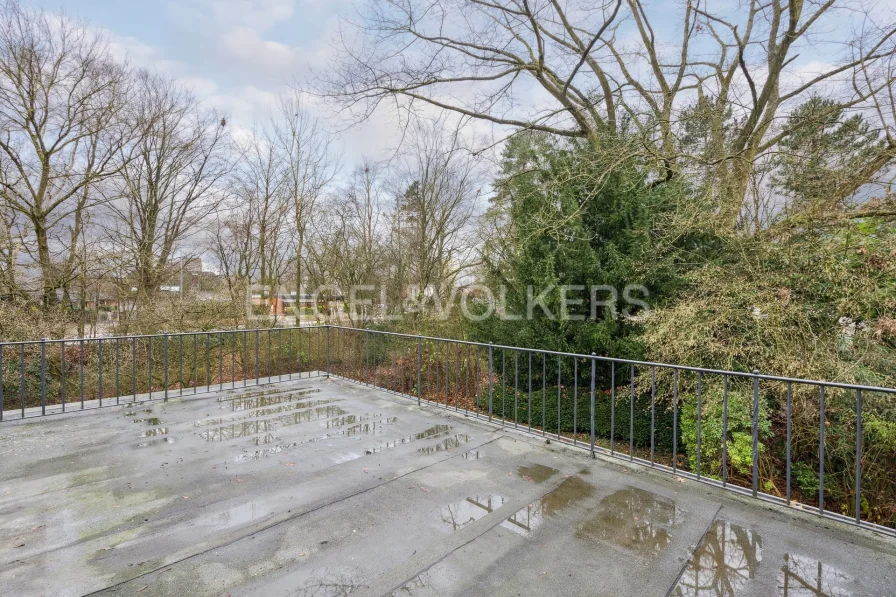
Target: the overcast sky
(236, 54)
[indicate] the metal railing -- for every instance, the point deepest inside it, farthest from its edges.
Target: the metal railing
(815, 445)
(47, 377)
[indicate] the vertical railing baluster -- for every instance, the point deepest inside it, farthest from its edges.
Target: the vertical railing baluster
(559, 389)
(134, 367)
(419, 368)
(195, 380)
(503, 386)
(755, 432)
(61, 377)
(516, 387)
(233, 360)
(789, 401)
(575, 401)
(652, 415)
(208, 362)
(257, 339)
(165, 361)
(612, 408)
(725, 431)
(821, 425)
(699, 422)
(220, 361)
(457, 376)
(593, 377)
(99, 351)
(244, 366)
(1, 383)
(631, 418)
(529, 408)
(491, 350)
(81, 372)
(149, 364)
(675, 420)
(544, 394)
(328, 351)
(859, 456)
(117, 389)
(43, 376)
(22, 378)
(180, 364)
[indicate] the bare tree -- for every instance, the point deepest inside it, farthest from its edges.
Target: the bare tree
(347, 246)
(263, 188)
(309, 166)
(436, 190)
(173, 179)
(61, 98)
(604, 70)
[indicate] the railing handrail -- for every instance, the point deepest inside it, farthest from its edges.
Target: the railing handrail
(729, 373)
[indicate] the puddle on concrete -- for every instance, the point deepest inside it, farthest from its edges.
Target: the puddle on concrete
(149, 421)
(727, 558)
(251, 402)
(801, 576)
(537, 473)
(264, 453)
(473, 455)
(462, 513)
(447, 444)
(268, 425)
(326, 583)
(527, 519)
(238, 430)
(155, 432)
(166, 440)
(237, 515)
(264, 412)
(433, 431)
(635, 520)
(267, 439)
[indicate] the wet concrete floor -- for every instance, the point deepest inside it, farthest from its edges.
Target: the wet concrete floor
(327, 488)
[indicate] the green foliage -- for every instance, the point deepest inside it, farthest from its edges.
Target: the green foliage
(740, 429)
(568, 216)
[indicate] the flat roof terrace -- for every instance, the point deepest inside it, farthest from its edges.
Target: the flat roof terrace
(324, 487)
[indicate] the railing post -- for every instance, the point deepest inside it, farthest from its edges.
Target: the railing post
(165, 360)
(755, 431)
(328, 351)
(43, 376)
(859, 457)
(419, 368)
(593, 368)
(491, 355)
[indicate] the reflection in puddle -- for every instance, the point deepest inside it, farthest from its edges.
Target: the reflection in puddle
(250, 402)
(236, 516)
(473, 455)
(267, 439)
(448, 444)
(527, 519)
(726, 559)
(635, 520)
(167, 440)
(269, 425)
(150, 421)
(155, 432)
(804, 577)
(537, 473)
(473, 508)
(434, 431)
(235, 431)
(327, 583)
(264, 412)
